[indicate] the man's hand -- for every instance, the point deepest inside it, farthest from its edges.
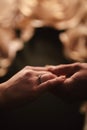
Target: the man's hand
(74, 87)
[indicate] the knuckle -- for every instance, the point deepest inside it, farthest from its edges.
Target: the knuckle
(58, 67)
(28, 73)
(26, 67)
(51, 76)
(50, 68)
(77, 65)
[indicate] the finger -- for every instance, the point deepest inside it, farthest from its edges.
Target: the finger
(35, 68)
(67, 70)
(51, 83)
(47, 76)
(41, 78)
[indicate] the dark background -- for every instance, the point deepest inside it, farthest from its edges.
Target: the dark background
(48, 111)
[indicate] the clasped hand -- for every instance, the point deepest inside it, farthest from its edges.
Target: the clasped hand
(66, 81)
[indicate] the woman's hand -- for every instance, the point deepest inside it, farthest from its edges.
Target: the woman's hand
(26, 85)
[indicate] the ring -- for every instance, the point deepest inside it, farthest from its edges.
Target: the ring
(39, 79)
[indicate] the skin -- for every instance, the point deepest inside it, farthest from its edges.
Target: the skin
(68, 82)
(24, 87)
(74, 87)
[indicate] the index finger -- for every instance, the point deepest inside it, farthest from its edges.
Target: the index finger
(66, 69)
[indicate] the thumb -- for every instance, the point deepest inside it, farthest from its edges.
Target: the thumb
(69, 84)
(70, 89)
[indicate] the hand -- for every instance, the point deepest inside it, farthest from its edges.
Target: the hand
(26, 86)
(74, 87)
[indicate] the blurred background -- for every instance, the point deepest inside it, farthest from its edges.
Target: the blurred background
(39, 33)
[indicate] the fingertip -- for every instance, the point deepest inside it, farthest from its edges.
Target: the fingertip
(63, 77)
(47, 77)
